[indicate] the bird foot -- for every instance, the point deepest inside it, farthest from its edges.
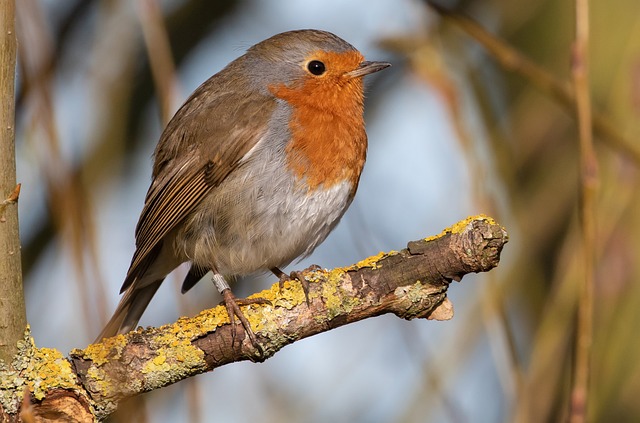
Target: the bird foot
(233, 304)
(297, 275)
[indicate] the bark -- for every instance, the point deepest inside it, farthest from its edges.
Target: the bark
(411, 283)
(13, 319)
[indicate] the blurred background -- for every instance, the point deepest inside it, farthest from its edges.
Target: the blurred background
(454, 130)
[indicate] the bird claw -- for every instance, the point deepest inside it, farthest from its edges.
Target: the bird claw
(303, 281)
(233, 304)
(299, 276)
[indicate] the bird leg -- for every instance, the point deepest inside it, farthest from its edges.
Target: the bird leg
(295, 275)
(233, 304)
(282, 277)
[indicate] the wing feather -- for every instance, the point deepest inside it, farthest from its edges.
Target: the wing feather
(196, 152)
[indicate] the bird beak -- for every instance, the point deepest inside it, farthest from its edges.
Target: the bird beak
(365, 68)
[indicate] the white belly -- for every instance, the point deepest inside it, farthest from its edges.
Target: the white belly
(239, 231)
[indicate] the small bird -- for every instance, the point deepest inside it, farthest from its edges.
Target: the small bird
(253, 171)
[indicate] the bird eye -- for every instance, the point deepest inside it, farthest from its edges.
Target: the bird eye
(316, 67)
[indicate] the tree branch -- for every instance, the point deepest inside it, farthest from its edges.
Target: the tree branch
(409, 283)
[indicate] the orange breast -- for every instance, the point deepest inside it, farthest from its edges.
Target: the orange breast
(329, 141)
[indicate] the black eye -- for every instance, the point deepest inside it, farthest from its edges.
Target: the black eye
(316, 67)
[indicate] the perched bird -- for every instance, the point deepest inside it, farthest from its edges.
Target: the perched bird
(253, 171)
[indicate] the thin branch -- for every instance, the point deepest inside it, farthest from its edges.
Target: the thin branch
(562, 91)
(163, 69)
(13, 318)
(411, 283)
(11, 199)
(588, 186)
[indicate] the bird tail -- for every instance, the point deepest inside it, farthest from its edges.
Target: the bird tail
(133, 303)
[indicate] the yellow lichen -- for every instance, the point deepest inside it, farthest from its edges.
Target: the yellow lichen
(334, 294)
(99, 382)
(48, 369)
(175, 349)
(372, 262)
(37, 369)
(158, 364)
(461, 226)
(292, 293)
(102, 352)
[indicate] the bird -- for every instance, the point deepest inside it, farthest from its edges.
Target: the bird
(253, 171)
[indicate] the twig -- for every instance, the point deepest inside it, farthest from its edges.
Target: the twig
(163, 69)
(588, 186)
(11, 199)
(511, 59)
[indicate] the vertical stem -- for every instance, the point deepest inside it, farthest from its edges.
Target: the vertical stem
(13, 319)
(163, 69)
(588, 184)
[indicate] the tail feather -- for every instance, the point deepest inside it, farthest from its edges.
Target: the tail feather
(193, 277)
(133, 303)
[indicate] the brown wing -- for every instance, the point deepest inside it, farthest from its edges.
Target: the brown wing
(203, 143)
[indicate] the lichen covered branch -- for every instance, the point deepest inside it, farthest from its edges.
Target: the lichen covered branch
(411, 283)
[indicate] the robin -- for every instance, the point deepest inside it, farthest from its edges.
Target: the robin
(253, 171)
